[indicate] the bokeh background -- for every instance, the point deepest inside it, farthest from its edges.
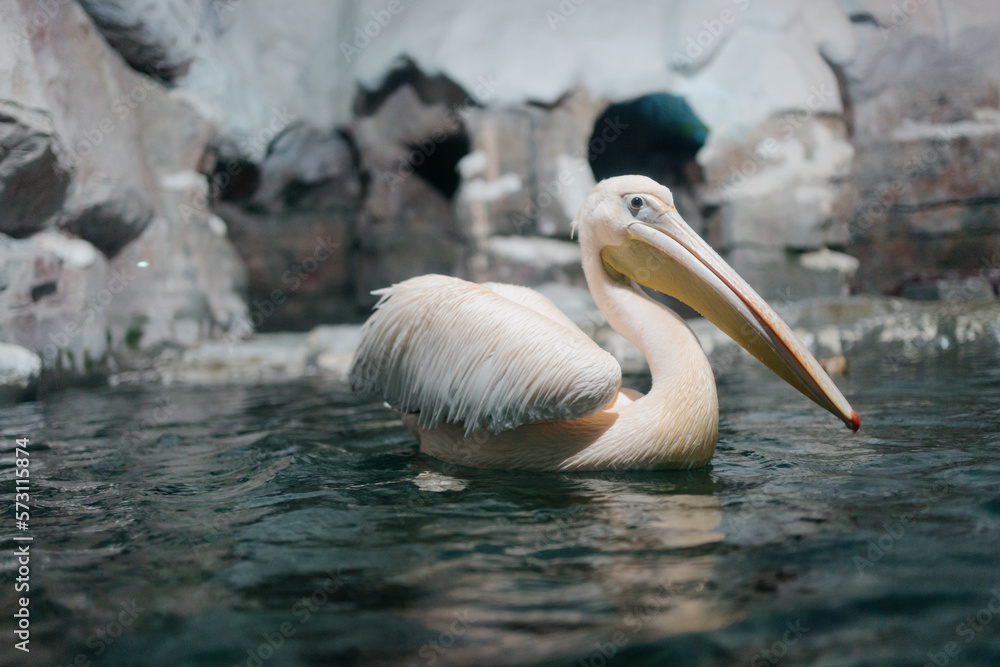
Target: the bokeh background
(180, 171)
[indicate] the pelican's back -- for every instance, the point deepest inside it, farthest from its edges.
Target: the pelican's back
(457, 352)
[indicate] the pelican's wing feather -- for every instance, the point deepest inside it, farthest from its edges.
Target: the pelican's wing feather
(457, 352)
(537, 302)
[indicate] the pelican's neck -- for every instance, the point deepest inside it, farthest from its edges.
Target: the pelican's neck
(676, 424)
(670, 347)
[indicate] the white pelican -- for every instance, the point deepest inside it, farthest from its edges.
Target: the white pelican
(495, 376)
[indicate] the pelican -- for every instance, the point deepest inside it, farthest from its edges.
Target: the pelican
(496, 376)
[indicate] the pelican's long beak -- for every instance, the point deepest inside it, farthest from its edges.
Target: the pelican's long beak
(667, 255)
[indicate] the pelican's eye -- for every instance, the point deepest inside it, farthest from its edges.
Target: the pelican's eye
(635, 204)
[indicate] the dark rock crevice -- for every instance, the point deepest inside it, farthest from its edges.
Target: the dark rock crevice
(439, 168)
(430, 90)
(655, 135)
(155, 37)
(33, 184)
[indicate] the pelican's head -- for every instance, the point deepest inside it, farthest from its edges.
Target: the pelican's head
(633, 223)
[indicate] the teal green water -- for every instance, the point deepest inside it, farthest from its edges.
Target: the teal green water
(297, 525)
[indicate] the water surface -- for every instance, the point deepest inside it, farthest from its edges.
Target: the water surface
(297, 525)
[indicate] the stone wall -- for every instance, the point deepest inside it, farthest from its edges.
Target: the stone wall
(510, 98)
(923, 91)
(176, 170)
(107, 244)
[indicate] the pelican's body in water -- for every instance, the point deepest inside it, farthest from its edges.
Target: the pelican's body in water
(496, 376)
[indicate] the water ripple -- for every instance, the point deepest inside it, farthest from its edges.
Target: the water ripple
(227, 514)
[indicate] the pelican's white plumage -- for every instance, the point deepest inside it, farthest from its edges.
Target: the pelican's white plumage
(496, 376)
(444, 348)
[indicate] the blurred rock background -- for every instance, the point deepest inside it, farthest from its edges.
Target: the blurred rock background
(179, 171)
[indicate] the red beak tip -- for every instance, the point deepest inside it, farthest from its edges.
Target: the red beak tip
(855, 422)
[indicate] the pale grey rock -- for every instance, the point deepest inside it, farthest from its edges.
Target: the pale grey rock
(576, 303)
(780, 276)
(784, 41)
(19, 372)
(913, 55)
(783, 193)
(832, 31)
(331, 349)
(74, 252)
(265, 69)
(828, 260)
(335, 338)
(858, 328)
(178, 129)
(258, 64)
(973, 288)
(871, 329)
(532, 260)
(562, 174)
(56, 298)
(324, 353)
(925, 91)
(495, 195)
(266, 358)
(185, 278)
(526, 175)
(540, 253)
